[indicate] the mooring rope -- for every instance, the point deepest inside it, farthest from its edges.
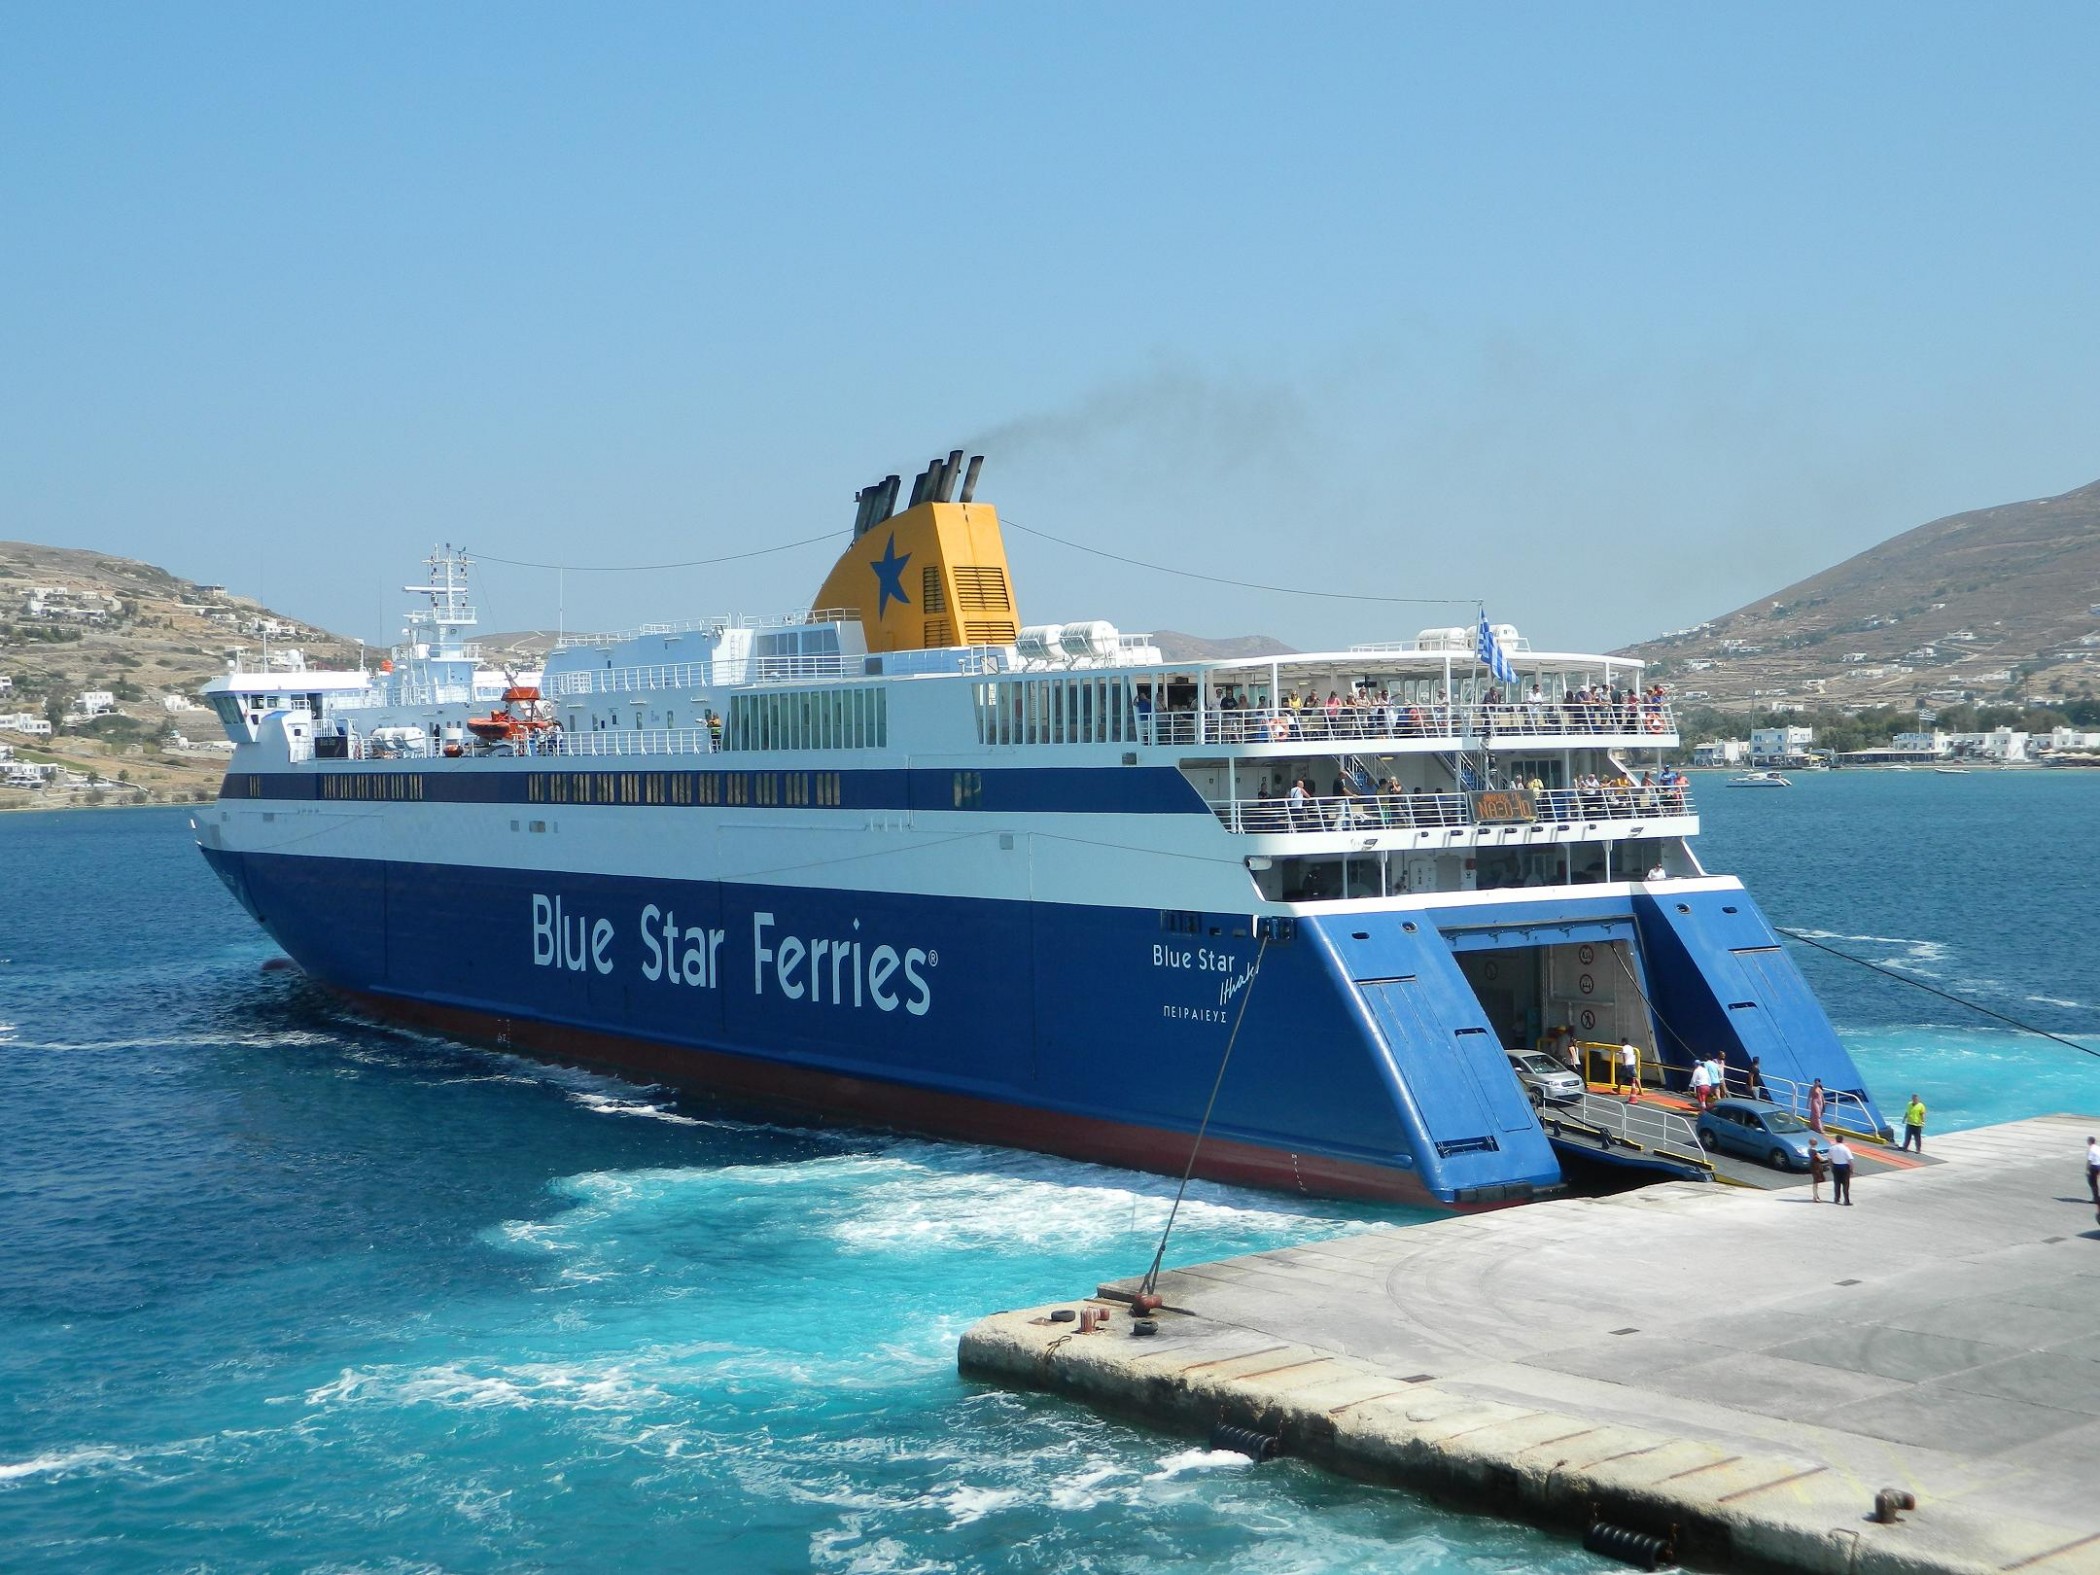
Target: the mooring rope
(1151, 1280)
(1945, 995)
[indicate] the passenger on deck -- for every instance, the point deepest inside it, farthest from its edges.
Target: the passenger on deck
(1702, 1085)
(1299, 808)
(1343, 796)
(1754, 1081)
(1816, 1100)
(1630, 1071)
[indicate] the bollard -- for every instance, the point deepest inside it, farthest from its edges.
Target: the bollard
(1889, 1501)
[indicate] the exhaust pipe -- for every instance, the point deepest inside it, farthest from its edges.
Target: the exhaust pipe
(969, 486)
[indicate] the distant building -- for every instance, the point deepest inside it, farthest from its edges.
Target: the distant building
(97, 702)
(7, 685)
(2003, 745)
(1721, 752)
(1773, 744)
(26, 722)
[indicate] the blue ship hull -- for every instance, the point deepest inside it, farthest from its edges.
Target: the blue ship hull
(1365, 1065)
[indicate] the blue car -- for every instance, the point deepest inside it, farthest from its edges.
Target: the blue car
(1757, 1129)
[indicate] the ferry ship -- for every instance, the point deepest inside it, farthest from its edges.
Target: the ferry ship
(904, 861)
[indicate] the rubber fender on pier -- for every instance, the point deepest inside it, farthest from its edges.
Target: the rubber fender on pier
(1642, 1549)
(1245, 1441)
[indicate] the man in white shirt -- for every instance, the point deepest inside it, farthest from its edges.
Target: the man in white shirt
(1841, 1171)
(1702, 1084)
(1630, 1069)
(2092, 1169)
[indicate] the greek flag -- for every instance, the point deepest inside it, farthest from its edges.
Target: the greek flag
(1491, 655)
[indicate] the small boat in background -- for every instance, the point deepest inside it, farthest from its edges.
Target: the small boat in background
(1950, 771)
(1760, 779)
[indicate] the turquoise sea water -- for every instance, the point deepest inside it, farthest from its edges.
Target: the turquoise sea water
(280, 1290)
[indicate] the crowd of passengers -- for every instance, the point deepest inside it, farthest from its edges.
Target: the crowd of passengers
(1357, 800)
(1367, 712)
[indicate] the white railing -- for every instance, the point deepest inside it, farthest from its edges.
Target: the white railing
(1841, 1108)
(632, 741)
(544, 743)
(721, 621)
(1435, 647)
(707, 675)
(1408, 811)
(1648, 724)
(1651, 1127)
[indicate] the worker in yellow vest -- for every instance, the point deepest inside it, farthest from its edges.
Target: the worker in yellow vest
(1914, 1124)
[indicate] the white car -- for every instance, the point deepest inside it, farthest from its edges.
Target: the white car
(1545, 1080)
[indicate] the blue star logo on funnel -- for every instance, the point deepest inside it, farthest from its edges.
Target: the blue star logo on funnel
(889, 578)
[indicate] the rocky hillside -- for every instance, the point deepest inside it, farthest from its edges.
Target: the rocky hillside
(1999, 604)
(1178, 647)
(76, 626)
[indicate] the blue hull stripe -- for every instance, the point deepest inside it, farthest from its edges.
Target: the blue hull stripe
(1136, 790)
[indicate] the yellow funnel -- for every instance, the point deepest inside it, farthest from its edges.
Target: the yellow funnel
(932, 576)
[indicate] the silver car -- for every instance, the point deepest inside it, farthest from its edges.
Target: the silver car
(1545, 1080)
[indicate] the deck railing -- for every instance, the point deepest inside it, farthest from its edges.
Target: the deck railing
(705, 675)
(549, 743)
(1431, 811)
(1843, 1110)
(1359, 724)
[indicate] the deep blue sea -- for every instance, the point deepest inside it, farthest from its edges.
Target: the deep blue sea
(281, 1290)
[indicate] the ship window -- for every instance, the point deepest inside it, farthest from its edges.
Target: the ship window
(839, 718)
(1054, 711)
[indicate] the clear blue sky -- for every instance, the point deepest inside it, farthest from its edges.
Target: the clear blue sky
(1616, 316)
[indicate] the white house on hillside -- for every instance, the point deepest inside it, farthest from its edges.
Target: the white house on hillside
(1780, 743)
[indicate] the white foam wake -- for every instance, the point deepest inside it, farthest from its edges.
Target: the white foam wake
(455, 1386)
(63, 1462)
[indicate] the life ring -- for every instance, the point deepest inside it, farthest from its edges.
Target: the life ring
(1653, 722)
(1279, 728)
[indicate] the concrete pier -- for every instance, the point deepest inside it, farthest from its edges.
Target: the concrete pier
(1748, 1367)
